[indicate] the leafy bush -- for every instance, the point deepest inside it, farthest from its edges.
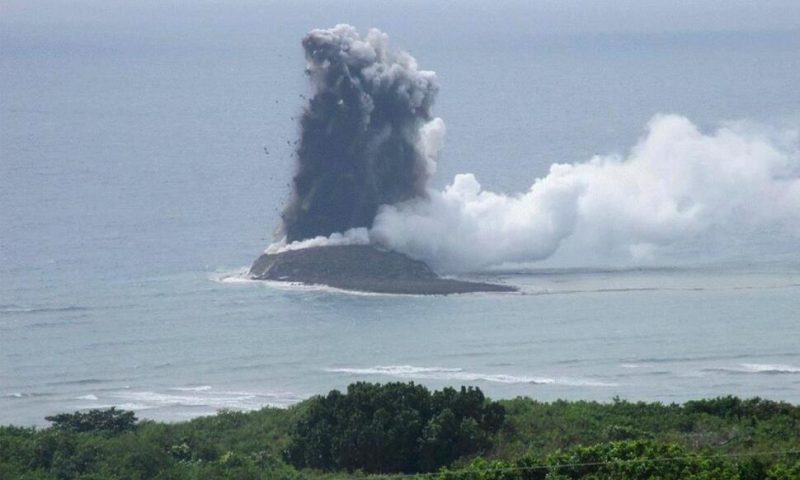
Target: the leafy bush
(629, 460)
(396, 427)
(727, 423)
(110, 420)
(735, 407)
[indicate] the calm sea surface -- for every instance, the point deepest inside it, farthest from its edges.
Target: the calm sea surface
(143, 163)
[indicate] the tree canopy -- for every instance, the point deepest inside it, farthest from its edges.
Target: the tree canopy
(396, 427)
(109, 420)
(407, 428)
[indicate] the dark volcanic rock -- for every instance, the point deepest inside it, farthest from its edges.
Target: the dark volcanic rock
(362, 268)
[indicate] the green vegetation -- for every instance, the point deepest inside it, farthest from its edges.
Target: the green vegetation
(111, 421)
(626, 460)
(396, 427)
(406, 428)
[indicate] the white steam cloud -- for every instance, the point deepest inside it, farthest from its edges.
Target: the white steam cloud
(369, 145)
(675, 185)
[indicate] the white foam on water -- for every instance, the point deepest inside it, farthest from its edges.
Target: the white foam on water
(41, 309)
(19, 395)
(156, 399)
(238, 276)
(88, 397)
(755, 369)
(201, 388)
(241, 277)
(458, 374)
(769, 368)
(202, 396)
(631, 365)
(393, 370)
(136, 407)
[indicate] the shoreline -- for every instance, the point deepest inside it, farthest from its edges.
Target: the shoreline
(365, 269)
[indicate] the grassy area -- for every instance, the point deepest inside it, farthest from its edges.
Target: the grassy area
(372, 431)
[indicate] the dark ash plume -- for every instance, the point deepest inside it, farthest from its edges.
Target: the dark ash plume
(360, 144)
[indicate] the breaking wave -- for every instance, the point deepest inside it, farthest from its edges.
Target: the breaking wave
(458, 374)
(758, 368)
(203, 396)
(19, 309)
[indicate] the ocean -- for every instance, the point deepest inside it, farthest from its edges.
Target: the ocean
(146, 153)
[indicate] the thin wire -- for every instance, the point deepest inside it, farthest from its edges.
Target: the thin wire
(591, 464)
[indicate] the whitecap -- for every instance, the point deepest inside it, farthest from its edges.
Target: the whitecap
(18, 309)
(24, 394)
(458, 374)
(756, 368)
(393, 370)
(203, 396)
(769, 368)
(235, 276)
(200, 388)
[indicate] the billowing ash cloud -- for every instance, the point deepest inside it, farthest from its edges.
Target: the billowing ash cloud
(369, 145)
(365, 133)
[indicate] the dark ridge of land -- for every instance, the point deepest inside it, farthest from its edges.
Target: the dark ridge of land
(362, 268)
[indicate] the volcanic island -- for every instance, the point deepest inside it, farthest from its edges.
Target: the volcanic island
(362, 268)
(368, 139)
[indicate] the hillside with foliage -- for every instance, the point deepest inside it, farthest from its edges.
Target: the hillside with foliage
(375, 431)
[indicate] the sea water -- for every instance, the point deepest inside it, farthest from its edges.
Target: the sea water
(144, 160)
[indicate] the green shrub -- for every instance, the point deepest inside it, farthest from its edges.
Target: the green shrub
(110, 420)
(629, 460)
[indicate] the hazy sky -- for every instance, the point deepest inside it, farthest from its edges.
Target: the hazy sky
(542, 16)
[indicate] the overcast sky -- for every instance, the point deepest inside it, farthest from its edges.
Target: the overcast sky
(539, 16)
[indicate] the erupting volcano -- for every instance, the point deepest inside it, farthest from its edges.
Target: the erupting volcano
(367, 139)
